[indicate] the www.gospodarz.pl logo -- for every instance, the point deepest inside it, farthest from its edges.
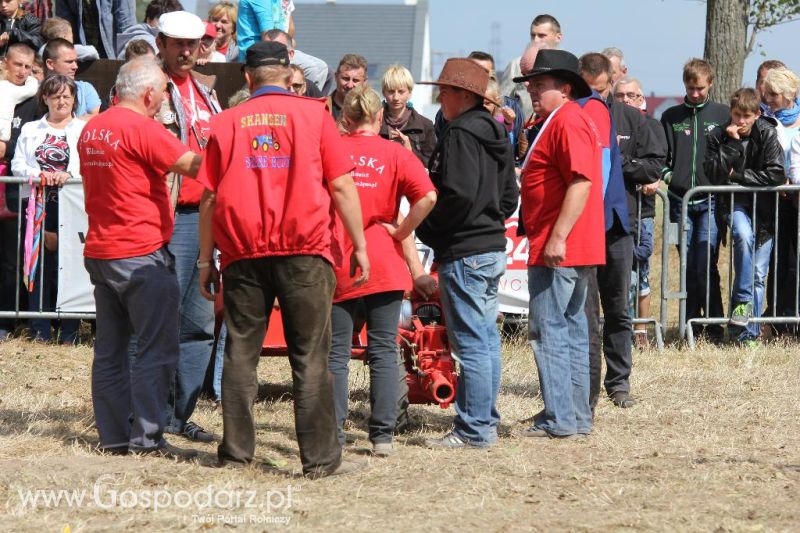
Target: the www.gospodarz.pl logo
(206, 504)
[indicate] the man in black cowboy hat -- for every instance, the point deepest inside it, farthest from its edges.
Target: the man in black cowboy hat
(472, 167)
(562, 206)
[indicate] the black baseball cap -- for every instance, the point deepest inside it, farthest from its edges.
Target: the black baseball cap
(264, 53)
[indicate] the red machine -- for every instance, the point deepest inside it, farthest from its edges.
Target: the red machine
(422, 342)
(430, 369)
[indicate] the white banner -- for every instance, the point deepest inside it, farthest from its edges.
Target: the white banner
(75, 291)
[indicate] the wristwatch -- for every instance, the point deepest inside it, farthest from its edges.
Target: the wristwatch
(203, 264)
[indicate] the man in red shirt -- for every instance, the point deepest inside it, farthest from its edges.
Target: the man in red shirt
(275, 167)
(187, 114)
(124, 156)
(562, 204)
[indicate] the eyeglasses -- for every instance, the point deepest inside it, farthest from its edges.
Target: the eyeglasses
(298, 86)
(629, 96)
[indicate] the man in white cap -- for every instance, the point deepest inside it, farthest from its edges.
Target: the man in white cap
(187, 113)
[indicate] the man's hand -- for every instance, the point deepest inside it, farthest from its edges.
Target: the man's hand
(508, 115)
(3, 38)
(209, 281)
(555, 251)
(426, 285)
(651, 188)
(732, 131)
(359, 260)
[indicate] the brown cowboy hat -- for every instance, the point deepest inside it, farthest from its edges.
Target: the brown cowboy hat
(464, 73)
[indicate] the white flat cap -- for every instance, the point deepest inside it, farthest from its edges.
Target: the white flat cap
(181, 25)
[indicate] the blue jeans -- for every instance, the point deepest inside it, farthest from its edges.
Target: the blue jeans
(702, 231)
(750, 266)
(469, 300)
(197, 323)
(559, 335)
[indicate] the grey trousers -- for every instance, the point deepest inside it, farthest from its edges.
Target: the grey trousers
(136, 295)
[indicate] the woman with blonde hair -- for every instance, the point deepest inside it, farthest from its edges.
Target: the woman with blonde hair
(384, 173)
(401, 122)
(780, 95)
(223, 15)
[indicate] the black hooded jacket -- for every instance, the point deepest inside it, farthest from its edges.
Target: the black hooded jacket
(755, 161)
(472, 168)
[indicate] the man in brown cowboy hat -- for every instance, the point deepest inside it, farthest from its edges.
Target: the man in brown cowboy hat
(472, 167)
(562, 205)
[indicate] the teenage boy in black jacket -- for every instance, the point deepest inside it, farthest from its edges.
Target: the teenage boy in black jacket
(746, 151)
(472, 168)
(686, 127)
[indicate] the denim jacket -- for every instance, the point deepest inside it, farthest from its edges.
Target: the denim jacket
(173, 116)
(115, 17)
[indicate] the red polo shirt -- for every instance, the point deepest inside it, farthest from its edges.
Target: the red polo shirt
(385, 172)
(270, 161)
(124, 159)
(568, 145)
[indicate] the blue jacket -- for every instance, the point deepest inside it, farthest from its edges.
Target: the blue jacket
(615, 201)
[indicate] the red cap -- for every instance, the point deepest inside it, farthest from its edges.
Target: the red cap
(211, 30)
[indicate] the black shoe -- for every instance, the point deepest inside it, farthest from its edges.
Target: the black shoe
(116, 450)
(348, 465)
(622, 399)
(196, 433)
(167, 451)
(536, 432)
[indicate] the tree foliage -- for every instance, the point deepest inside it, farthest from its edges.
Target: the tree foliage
(732, 27)
(765, 14)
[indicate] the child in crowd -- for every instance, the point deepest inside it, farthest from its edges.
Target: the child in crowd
(58, 28)
(17, 26)
(746, 151)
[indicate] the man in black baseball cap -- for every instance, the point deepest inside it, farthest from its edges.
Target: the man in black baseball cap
(275, 169)
(265, 53)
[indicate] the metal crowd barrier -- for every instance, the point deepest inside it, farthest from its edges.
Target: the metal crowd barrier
(668, 237)
(657, 320)
(17, 312)
(709, 192)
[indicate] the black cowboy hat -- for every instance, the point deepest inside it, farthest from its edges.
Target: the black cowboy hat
(559, 64)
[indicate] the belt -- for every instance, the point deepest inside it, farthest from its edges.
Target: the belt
(187, 209)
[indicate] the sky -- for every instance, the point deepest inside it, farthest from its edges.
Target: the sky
(657, 36)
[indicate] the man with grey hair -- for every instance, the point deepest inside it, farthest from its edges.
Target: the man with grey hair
(314, 69)
(618, 66)
(276, 242)
(124, 156)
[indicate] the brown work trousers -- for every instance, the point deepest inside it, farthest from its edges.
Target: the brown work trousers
(304, 287)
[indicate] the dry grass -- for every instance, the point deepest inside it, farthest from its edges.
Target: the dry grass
(713, 445)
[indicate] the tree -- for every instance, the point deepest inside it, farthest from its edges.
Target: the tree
(731, 30)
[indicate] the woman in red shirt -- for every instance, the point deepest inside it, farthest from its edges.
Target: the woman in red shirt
(385, 172)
